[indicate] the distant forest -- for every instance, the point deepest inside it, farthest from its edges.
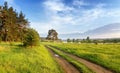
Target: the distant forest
(96, 41)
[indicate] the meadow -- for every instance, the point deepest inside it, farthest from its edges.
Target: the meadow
(37, 59)
(17, 59)
(106, 55)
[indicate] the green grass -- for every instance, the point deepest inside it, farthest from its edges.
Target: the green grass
(82, 68)
(106, 55)
(16, 59)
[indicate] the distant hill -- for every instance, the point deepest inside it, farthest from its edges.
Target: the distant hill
(107, 31)
(70, 35)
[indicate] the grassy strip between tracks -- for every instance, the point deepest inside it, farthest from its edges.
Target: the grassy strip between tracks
(82, 68)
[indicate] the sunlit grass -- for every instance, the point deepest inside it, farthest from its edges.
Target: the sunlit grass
(107, 55)
(16, 59)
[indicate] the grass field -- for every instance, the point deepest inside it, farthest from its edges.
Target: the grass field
(106, 55)
(16, 59)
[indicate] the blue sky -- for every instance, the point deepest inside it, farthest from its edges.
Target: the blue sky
(68, 16)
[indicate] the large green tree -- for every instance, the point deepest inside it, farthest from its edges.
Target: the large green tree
(52, 35)
(12, 25)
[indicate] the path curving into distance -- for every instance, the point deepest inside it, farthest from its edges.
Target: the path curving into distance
(94, 67)
(66, 66)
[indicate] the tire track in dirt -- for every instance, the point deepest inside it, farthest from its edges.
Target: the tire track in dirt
(66, 66)
(94, 67)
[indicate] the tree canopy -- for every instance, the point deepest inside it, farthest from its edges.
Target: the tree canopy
(52, 35)
(13, 25)
(32, 38)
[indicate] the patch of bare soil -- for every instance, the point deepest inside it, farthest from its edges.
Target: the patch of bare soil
(67, 67)
(94, 67)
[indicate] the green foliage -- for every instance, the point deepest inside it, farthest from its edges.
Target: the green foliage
(117, 40)
(73, 40)
(106, 55)
(15, 59)
(12, 22)
(95, 41)
(88, 40)
(32, 38)
(68, 40)
(52, 35)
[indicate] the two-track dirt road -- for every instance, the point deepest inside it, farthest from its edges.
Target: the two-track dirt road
(68, 68)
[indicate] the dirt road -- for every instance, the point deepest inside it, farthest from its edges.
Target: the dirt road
(94, 67)
(67, 67)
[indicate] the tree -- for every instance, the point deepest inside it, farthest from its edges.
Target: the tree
(12, 22)
(88, 39)
(4, 22)
(52, 35)
(5, 7)
(21, 20)
(83, 41)
(22, 25)
(73, 40)
(32, 38)
(12, 25)
(68, 40)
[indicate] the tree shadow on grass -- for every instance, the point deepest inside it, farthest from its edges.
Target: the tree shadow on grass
(19, 49)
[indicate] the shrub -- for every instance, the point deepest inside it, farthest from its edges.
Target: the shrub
(31, 38)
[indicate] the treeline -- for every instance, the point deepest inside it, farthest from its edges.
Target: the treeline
(96, 41)
(13, 25)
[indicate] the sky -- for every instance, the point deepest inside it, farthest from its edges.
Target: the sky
(67, 16)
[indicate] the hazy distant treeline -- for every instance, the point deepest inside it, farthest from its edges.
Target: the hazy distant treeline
(96, 41)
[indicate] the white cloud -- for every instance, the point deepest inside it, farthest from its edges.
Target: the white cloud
(41, 26)
(80, 3)
(113, 13)
(60, 14)
(70, 14)
(101, 5)
(89, 16)
(56, 20)
(109, 35)
(56, 5)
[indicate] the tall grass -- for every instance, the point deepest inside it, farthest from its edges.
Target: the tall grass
(16, 59)
(106, 55)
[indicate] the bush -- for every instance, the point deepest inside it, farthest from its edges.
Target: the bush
(31, 38)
